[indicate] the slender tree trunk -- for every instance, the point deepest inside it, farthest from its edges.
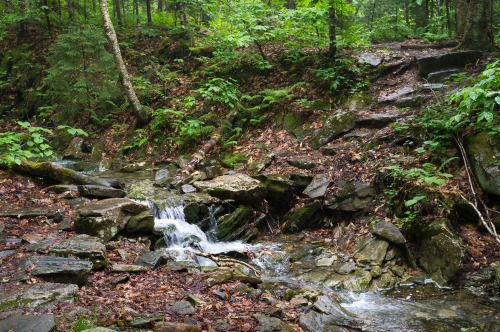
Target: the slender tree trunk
(46, 14)
(478, 34)
(448, 18)
(422, 14)
(138, 111)
(71, 14)
(136, 8)
(85, 10)
(183, 15)
(160, 6)
(124, 15)
(332, 33)
(148, 10)
(118, 11)
(461, 10)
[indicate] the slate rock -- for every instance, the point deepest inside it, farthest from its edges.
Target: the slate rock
(396, 95)
(377, 120)
(267, 323)
(301, 163)
(300, 181)
(93, 191)
(483, 151)
(75, 149)
(128, 268)
(142, 223)
(99, 329)
(436, 62)
(164, 176)
(61, 188)
(236, 225)
(66, 224)
(337, 123)
(41, 246)
(38, 295)
(182, 308)
(107, 217)
(369, 59)
(134, 167)
(176, 327)
(279, 189)
(28, 323)
(98, 149)
(432, 87)
(300, 218)
(318, 186)
(82, 247)
(441, 76)
(389, 232)
(239, 187)
(329, 151)
(63, 270)
(46, 211)
(373, 253)
(412, 102)
(345, 268)
(152, 259)
(187, 189)
(260, 164)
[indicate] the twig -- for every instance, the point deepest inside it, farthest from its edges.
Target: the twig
(489, 226)
(225, 261)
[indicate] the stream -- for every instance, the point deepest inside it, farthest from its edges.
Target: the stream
(411, 307)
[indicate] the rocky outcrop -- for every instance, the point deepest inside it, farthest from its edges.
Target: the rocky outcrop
(106, 218)
(441, 253)
(236, 226)
(143, 223)
(28, 323)
(239, 187)
(300, 218)
(82, 247)
(352, 201)
(437, 62)
(37, 295)
(483, 151)
(337, 123)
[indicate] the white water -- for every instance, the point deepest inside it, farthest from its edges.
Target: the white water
(182, 237)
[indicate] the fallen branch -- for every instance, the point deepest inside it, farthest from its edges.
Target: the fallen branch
(198, 157)
(225, 261)
(490, 227)
(52, 173)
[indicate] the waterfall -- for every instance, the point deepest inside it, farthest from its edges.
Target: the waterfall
(182, 237)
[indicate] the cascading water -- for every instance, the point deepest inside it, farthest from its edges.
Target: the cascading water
(182, 237)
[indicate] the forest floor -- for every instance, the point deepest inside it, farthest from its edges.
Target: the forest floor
(148, 293)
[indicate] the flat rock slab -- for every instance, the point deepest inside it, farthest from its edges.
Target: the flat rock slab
(413, 101)
(240, 187)
(28, 323)
(437, 62)
(369, 59)
(152, 259)
(38, 295)
(93, 191)
(396, 95)
(441, 76)
(83, 247)
(374, 252)
(337, 123)
(432, 86)
(63, 270)
(48, 211)
(175, 327)
(318, 186)
(377, 120)
(61, 188)
(128, 268)
(301, 163)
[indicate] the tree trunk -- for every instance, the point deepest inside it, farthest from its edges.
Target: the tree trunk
(148, 10)
(461, 10)
(136, 8)
(198, 157)
(478, 34)
(448, 18)
(422, 14)
(141, 115)
(332, 34)
(118, 12)
(182, 12)
(160, 6)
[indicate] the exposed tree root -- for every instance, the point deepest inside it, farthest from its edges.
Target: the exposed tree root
(226, 261)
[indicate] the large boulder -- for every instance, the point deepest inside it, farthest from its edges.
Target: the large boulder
(106, 218)
(337, 123)
(437, 62)
(371, 251)
(441, 253)
(236, 226)
(38, 295)
(483, 151)
(75, 149)
(143, 223)
(83, 247)
(63, 270)
(239, 187)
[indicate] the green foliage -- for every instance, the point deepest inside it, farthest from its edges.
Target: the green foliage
(16, 146)
(222, 90)
(82, 73)
(72, 131)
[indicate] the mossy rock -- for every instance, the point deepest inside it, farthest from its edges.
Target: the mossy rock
(235, 226)
(302, 217)
(229, 160)
(483, 151)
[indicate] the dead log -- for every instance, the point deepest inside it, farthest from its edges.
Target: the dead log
(52, 173)
(220, 261)
(198, 157)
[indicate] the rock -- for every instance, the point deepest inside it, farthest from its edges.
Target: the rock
(441, 253)
(61, 188)
(175, 327)
(107, 217)
(496, 268)
(221, 324)
(75, 149)
(337, 123)
(38, 295)
(164, 176)
(330, 306)
(212, 171)
(302, 252)
(483, 151)
(386, 280)
(99, 329)
(436, 62)
(292, 120)
(317, 187)
(63, 270)
(182, 308)
(359, 200)
(345, 268)
(300, 181)
(66, 224)
(329, 151)
(233, 160)
(301, 163)
(325, 261)
(441, 76)
(143, 223)
(41, 246)
(301, 217)
(358, 102)
(357, 282)
(260, 164)
(235, 226)
(134, 167)
(98, 150)
(32, 238)
(373, 252)
(146, 322)
(389, 232)
(93, 191)
(279, 189)
(267, 324)
(46, 211)
(28, 323)
(432, 87)
(412, 102)
(377, 120)
(369, 59)
(187, 189)
(152, 259)
(239, 187)
(128, 268)
(182, 160)
(82, 247)
(398, 94)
